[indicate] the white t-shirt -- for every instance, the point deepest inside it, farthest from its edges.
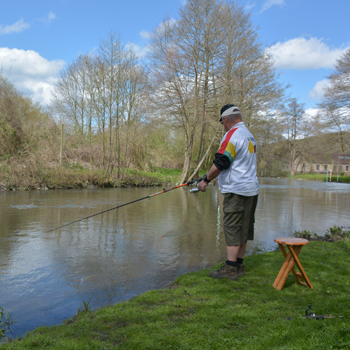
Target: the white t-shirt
(239, 145)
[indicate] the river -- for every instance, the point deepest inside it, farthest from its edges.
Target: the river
(112, 257)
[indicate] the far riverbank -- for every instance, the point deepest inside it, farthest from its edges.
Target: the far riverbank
(21, 178)
(321, 177)
(77, 177)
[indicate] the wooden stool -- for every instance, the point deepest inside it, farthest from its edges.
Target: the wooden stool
(294, 245)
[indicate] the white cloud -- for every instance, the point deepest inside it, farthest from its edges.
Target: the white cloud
(32, 74)
(17, 27)
(301, 54)
(48, 18)
(270, 3)
(145, 34)
(249, 6)
(51, 16)
(138, 50)
(318, 90)
(164, 25)
(311, 113)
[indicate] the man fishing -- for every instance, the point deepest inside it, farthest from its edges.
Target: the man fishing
(235, 165)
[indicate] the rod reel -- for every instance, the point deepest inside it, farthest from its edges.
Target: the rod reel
(195, 189)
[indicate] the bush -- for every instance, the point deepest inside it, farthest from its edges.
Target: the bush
(304, 234)
(336, 233)
(5, 321)
(333, 234)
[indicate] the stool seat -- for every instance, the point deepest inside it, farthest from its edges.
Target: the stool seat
(291, 240)
(294, 246)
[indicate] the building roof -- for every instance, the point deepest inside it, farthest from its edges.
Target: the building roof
(341, 158)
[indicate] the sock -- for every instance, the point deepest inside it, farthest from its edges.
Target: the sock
(239, 261)
(231, 263)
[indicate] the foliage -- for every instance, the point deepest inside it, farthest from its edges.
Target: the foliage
(333, 234)
(305, 234)
(6, 321)
(336, 233)
(29, 176)
(86, 307)
(22, 122)
(199, 312)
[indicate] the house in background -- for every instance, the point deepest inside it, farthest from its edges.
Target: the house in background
(339, 164)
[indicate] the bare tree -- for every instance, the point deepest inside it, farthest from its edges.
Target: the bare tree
(335, 107)
(70, 98)
(291, 118)
(338, 92)
(208, 57)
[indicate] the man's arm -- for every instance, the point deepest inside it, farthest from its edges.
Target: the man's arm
(211, 174)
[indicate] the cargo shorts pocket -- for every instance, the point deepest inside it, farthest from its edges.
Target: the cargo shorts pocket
(233, 218)
(233, 203)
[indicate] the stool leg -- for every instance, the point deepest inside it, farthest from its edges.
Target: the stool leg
(286, 271)
(295, 256)
(293, 269)
(282, 276)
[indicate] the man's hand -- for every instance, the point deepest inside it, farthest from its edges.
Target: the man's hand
(202, 185)
(211, 174)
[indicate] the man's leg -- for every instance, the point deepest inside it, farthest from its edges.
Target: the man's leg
(231, 269)
(234, 235)
(235, 256)
(236, 251)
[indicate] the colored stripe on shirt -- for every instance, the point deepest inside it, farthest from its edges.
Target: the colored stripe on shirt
(226, 141)
(227, 148)
(230, 151)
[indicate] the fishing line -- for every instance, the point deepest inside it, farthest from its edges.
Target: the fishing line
(122, 205)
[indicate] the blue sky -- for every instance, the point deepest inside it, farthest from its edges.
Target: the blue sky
(38, 38)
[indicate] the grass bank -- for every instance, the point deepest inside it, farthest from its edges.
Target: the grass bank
(199, 312)
(76, 176)
(321, 177)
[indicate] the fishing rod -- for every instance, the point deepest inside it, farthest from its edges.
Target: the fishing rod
(137, 200)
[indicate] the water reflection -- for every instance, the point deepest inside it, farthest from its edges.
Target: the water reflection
(44, 277)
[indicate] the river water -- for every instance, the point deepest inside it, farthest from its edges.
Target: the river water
(45, 276)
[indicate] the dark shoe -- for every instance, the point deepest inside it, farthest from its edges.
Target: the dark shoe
(240, 269)
(226, 271)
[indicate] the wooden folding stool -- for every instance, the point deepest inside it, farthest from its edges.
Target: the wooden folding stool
(294, 246)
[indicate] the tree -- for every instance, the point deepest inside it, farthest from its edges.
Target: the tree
(22, 122)
(335, 107)
(70, 98)
(291, 118)
(102, 93)
(338, 92)
(209, 57)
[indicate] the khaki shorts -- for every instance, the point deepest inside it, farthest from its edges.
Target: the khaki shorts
(239, 218)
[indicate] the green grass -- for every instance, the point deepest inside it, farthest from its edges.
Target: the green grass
(162, 175)
(321, 177)
(199, 312)
(75, 176)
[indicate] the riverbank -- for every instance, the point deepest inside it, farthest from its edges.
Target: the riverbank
(21, 177)
(199, 312)
(76, 176)
(321, 177)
